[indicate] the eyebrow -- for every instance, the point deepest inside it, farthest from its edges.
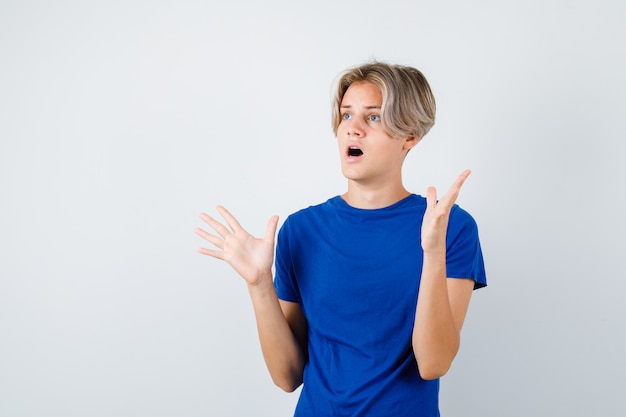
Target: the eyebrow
(347, 106)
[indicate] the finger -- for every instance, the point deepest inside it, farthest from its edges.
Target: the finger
(211, 252)
(270, 231)
(211, 238)
(215, 225)
(431, 197)
(461, 179)
(230, 219)
(455, 189)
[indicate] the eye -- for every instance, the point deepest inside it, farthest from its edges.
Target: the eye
(374, 118)
(346, 116)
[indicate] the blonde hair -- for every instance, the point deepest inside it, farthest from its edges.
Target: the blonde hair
(408, 107)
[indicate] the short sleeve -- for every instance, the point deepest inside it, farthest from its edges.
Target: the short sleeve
(464, 257)
(285, 279)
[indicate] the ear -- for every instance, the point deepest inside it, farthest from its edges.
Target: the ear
(410, 142)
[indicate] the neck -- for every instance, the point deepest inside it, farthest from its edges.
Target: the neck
(362, 197)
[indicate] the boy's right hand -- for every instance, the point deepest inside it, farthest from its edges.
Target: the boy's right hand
(249, 256)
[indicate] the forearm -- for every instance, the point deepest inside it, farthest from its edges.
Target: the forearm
(436, 337)
(283, 354)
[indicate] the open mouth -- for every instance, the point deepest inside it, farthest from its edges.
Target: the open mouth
(354, 151)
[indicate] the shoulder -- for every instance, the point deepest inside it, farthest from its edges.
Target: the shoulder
(308, 217)
(462, 228)
(313, 211)
(461, 218)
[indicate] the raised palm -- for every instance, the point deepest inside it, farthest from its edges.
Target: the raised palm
(435, 221)
(249, 256)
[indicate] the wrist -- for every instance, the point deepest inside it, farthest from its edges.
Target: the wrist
(264, 281)
(434, 263)
(435, 254)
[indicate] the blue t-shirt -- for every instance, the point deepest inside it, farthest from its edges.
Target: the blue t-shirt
(356, 275)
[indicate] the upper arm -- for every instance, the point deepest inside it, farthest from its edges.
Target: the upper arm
(297, 321)
(459, 292)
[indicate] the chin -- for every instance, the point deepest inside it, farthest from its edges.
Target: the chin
(353, 177)
(349, 175)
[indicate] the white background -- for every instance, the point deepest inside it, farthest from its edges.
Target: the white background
(121, 121)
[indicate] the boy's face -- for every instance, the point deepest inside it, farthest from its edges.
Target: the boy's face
(368, 154)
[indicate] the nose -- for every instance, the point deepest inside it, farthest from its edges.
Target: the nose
(354, 128)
